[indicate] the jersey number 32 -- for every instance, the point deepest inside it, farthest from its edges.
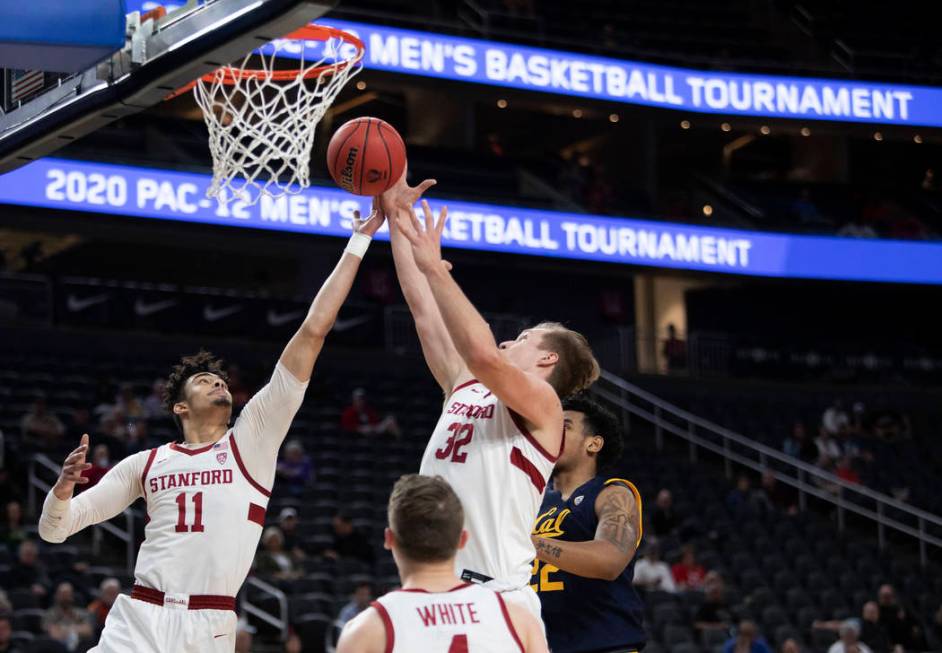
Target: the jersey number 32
(461, 435)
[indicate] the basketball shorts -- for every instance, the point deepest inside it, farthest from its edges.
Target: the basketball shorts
(135, 626)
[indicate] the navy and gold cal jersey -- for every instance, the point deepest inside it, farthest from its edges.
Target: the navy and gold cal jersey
(585, 614)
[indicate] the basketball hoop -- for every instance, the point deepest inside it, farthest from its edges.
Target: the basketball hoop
(261, 120)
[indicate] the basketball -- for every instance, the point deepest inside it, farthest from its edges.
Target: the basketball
(366, 156)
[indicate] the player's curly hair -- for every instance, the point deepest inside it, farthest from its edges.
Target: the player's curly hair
(576, 368)
(202, 361)
(599, 420)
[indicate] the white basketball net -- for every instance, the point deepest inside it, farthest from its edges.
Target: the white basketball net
(261, 130)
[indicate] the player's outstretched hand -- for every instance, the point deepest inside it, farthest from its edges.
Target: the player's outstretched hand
(402, 196)
(426, 241)
(72, 470)
(373, 221)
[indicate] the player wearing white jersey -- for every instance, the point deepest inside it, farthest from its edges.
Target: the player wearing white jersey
(501, 429)
(435, 612)
(206, 497)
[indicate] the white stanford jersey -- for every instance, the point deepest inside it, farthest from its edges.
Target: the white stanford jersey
(467, 619)
(499, 471)
(205, 505)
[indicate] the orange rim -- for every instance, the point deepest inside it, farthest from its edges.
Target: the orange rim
(231, 75)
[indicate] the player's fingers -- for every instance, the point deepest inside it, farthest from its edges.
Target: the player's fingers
(75, 456)
(84, 441)
(442, 217)
(448, 265)
(429, 217)
(415, 222)
(424, 186)
(78, 450)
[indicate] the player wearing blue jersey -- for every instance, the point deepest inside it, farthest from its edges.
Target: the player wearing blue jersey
(586, 536)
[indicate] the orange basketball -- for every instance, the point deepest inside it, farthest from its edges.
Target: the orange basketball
(366, 156)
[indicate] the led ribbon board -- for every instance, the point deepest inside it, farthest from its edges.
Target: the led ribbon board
(166, 195)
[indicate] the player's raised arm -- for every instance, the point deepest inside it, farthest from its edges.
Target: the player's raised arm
(305, 345)
(526, 394)
(440, 354)
(365, 633)
(616, 539)
(63, 516)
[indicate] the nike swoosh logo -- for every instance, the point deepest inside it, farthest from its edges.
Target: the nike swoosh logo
(144, 309)
(218, 636)
(345, 325)
(76, 304)
(211, 314)
(280, 319)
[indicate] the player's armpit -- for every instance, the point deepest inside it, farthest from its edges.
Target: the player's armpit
(365, 633)
(619, 517)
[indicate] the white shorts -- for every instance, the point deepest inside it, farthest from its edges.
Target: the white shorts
(135, 626)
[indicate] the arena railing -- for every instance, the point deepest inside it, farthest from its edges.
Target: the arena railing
(883, 511)
(37, 484)
(279, 622)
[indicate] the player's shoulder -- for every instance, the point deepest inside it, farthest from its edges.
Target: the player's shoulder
(616, 490)
(366, 632)
(524, 626)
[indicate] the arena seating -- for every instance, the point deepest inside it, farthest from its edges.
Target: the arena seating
(783, 571)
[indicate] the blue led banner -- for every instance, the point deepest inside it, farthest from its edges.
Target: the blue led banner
(602, 78)
(167, 195)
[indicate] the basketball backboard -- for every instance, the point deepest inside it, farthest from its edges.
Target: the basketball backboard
(160, 55)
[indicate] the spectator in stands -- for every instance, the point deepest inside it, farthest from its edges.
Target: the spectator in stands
(854, 229)
(12, 531)
(688, 574)
(805, 211)
(902, 629)
(40, 428)
(5, 606)
(653, 574)
(79, 422)
(295, 469)
(360, 417)
(349, 542)
(713, 613)
(293, 644)
(845, 470)
(273, 561)
(29, 572)
(101, 463)
(674, 350)
(288, 522)
(108, 593)
(128, 403)
(872, 632)
(790, 646)
(739, 501)
(64, 622)
(799, 445)
(6, 636)
(829, 449)
(835, 419)
(664, 519)
(359, 601)
(154, 402)
(775, 496)
(746, 640)
(849, 641)
(237, 387)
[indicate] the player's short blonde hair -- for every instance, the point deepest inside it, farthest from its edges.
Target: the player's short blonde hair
(426, 517)
(576, 368)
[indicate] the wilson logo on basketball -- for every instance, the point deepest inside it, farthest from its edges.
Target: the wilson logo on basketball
(346, 175)
(373, 175)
